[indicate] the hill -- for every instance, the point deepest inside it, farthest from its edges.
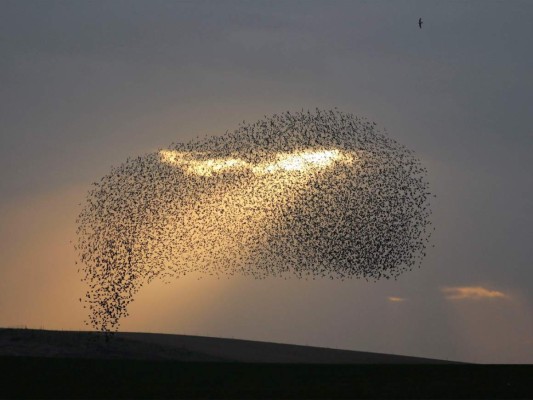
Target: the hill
(62, 364)
(150, 346)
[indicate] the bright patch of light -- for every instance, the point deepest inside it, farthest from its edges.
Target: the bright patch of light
(201, 167)
(302, 161)
(308, 160)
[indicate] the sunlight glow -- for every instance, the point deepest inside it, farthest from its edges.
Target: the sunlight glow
(201, 167)
(471, 292)
(395, 299)
(308, 160)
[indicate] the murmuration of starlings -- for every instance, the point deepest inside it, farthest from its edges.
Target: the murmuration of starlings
(316, 194)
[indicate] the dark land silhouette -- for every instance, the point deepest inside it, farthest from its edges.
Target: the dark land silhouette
(66, 364)
(154, 346)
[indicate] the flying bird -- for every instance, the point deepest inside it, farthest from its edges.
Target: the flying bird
(310, 194)
(420, 23)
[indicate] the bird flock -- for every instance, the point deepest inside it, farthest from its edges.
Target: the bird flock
(320, 194)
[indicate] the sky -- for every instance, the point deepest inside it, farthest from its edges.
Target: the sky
(84, 85)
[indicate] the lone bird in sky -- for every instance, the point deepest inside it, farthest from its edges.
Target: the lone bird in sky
(420, 23)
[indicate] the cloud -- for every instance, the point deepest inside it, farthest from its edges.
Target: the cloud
(394, 299)
(471, 293)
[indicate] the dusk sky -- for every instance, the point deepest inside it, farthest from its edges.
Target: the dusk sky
(84, 85)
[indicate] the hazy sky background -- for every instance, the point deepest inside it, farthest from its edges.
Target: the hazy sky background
(84, 85)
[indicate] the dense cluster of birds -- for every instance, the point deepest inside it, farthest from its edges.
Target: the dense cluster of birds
(306, 194)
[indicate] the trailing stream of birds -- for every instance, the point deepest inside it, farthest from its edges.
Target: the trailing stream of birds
(307, 194)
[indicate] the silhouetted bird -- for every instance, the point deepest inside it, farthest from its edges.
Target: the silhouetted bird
(311, 194)
(420, 23)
